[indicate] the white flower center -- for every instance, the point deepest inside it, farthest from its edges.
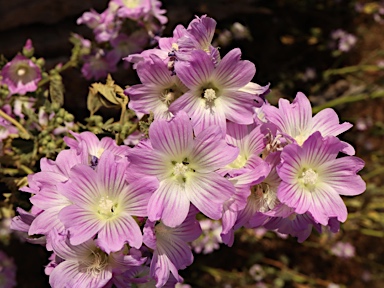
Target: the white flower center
(99, 152)
(263, 197)
(210, 94)
(238, 163)
(106, 207)
(21, 71)
(167, 96)
(96, 262)
(175, 46)
(131, 3)
(308, 177)
(180, 169)
(300, 139)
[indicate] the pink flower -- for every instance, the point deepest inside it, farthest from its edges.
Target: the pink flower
(158, 91)
(295, 122)
(313, 179)
(104, 203)
(216, 94)
(21, 75)
(185, 169)
(86, 265)
(171, 250)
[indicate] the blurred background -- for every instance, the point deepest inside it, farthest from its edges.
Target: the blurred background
(332, 50)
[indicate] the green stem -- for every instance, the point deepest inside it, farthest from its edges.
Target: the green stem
(26, 169)
(373, 173)
(24, 133)
(67, 65)
(351, 69)
(348, 99)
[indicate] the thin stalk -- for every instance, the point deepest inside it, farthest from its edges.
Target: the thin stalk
(348, 99)
(67, 65)
(15, 123)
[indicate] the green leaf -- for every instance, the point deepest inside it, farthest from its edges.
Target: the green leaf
(56, 89)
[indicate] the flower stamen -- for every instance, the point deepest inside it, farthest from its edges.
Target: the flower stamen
(209, 95)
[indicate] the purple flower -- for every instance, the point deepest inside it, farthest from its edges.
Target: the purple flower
(86, 265)
(185, 169)
(124, 45)
(313, 179)
(104, 203)
(158, 91)
(141, 10)
(171, 251)
(88, 143)
(345, 41)
(198, 36)
(295, 122)
(260, 196)
(6, 129)
(343, 250)
(251, 142)
(215, 93)
(21, 75)
(47, 200)
(106, 25)
(167, 45)
(98, 65)
(210, 239)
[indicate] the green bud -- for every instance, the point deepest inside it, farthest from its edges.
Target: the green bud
(40, 62)
(55, 107)
(59, 120)
(117, 127)
(44, 141)
(61, 112)
(44, 133)
(51, 146)
(69, 117)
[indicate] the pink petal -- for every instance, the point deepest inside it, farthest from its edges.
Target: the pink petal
(208, 192)
(196, 72)
(116, 232)
(169, 203)
(173, 138)
(237, 106)
(211, 152)
(232, 72)
(82, 224)
(327, 122)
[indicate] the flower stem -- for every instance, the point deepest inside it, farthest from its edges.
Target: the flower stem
(23, 133)
(67, 65)
(348, 99)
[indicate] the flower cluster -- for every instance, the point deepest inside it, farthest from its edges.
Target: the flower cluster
(125, 27)
(119, 215)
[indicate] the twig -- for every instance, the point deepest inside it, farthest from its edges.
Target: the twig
(15, 123)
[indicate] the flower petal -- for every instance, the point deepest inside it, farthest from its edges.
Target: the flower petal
(169, 203)
(208, 192)
(232, 72)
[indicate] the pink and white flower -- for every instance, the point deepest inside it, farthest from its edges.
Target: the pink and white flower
(185, 169)
(21, 75)
(313, 178)
(215, 94)
(104, 203)
(295, 121)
